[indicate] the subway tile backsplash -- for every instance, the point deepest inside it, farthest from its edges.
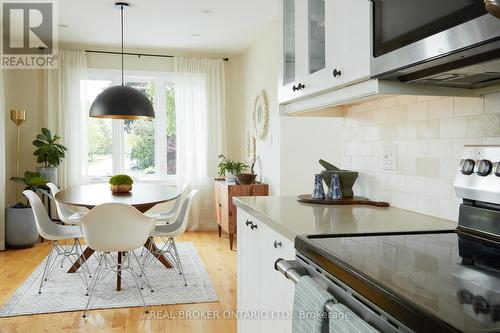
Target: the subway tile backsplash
(429, 133)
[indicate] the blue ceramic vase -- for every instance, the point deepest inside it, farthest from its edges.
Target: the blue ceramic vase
(318, 191)
(334, 191)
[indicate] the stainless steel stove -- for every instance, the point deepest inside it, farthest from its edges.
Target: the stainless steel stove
(426, 281)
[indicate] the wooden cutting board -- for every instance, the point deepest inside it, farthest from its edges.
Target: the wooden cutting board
(344, 201)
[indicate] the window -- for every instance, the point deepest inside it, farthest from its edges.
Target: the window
(145, 149)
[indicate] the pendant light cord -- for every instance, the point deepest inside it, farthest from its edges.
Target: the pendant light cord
(121, 19)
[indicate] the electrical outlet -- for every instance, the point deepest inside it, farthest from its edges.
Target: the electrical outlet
(389, 157)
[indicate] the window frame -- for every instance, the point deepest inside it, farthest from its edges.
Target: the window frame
(159, 79)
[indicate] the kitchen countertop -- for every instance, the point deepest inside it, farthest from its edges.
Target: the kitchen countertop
(291, 218)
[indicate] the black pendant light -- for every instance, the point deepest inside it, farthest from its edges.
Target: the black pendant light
(122, 102)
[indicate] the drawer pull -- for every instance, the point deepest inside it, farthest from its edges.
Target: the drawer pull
(249, 223)
(253, 226)
(298, 87)
(277, 244)
(336, 73)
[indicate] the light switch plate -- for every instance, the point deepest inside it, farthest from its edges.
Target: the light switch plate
(389, 157)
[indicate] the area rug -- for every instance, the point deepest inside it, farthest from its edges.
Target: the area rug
(66, 292)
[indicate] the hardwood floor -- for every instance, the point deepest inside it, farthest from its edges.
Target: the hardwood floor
(220, 262)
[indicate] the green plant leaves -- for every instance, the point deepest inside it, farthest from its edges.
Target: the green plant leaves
(31, 180)
(230, 166)
(49, 152)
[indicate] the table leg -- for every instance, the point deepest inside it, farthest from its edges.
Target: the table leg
(83, 257)
(119, 273)
(151, 246)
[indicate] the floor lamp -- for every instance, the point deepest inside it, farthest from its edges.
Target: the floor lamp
(18, 117)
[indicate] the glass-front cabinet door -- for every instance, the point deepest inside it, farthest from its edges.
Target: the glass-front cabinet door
(288, 41)
(316, 35)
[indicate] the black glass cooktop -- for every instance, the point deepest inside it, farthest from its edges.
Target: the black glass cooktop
(432, 281)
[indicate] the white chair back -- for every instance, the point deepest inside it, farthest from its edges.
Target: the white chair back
(179, 226)
(113, 227)
(180, 201)
(62, 210)
(45, 226)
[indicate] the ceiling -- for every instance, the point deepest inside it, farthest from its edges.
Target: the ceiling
(208, 26)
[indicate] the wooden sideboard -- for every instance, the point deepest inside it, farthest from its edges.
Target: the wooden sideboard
(225, 211)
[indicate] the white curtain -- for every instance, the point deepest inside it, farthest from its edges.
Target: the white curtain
(2, 163)
(65, 113)
(201, 123)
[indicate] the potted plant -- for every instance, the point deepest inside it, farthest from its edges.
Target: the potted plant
(121, 183)
(20, 226)
(229, 168)
(49, 153)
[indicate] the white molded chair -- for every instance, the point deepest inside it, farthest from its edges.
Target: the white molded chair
(115, 227)
(168, 232)
(66, 215)
(55, 233)
(171, 215)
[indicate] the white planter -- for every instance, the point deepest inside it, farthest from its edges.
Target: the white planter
(49, 173)
(230, 177)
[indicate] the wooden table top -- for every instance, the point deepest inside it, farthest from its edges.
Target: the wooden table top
(143, 195)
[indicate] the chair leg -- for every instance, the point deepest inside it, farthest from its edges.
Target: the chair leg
(46, 268)
(136, 278)
(143, 274)
(178, 259)
(92, 289)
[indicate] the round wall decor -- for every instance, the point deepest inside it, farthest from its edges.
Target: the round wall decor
(260, 115)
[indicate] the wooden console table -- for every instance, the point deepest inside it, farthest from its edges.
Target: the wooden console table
(225, 211)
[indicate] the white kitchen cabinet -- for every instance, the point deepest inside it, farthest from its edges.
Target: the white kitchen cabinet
(325, 45)
(260, 287)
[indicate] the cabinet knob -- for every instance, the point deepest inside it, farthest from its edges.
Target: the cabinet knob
(336, 73)
(277, 244)
(253, 226)
(248, 222)
(298, 87)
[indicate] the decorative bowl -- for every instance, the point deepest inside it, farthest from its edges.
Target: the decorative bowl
(121, 188)
(246, 178)
(347, 180)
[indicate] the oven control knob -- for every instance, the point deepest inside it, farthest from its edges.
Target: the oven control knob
(496, 169)
(467, 166)
(484, 168)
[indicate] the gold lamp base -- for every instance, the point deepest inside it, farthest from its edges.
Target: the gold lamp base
(18, 117)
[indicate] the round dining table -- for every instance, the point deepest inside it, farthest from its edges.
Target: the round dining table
(143, 196)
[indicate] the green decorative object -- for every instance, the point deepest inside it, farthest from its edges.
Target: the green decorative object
(347, 178)
(31, 181)
(228, 168)
(121, 183)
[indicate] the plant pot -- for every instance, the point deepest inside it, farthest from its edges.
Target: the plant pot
(20, 228)
(49, 173)
(246, 178)
(230, 177)
(121, 188)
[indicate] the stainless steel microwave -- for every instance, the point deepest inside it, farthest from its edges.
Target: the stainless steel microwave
(445, 42)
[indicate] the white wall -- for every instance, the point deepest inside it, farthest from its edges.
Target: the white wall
(253, 71)
(24, 89)
(305, 140)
